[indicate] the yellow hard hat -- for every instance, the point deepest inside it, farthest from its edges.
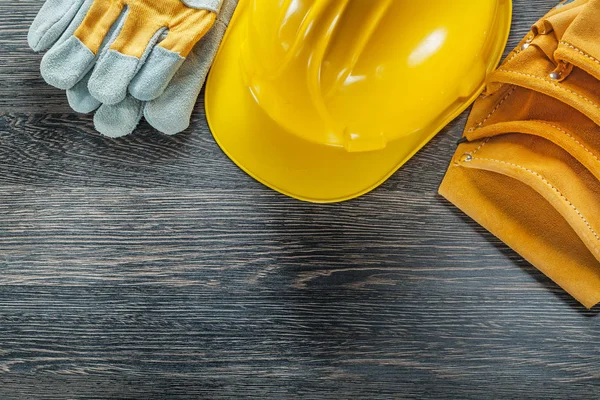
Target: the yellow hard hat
(323, 100)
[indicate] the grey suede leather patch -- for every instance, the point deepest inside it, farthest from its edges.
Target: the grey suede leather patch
(155, 74)
(52, 20)
(69, 60)
(74, 62)
(211, 5)
(119, 119)
(171, 112)
(227, 10)
(80, 99)
(114, 71)
(111, 77)
(64, 65)
(79, 17)
(160, 35)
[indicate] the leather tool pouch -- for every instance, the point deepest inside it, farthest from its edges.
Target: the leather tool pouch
(528, 167)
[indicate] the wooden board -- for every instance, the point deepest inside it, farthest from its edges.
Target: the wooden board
(151, 267)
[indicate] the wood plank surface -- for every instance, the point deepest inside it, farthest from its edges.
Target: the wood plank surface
(151, 267)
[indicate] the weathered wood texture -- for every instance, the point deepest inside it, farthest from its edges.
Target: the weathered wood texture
(151, 267)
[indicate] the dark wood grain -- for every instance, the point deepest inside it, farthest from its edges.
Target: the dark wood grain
(151, 267)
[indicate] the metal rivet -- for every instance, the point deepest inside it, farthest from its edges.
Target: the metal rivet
(467, 157)
(528, 42)
(555, 76)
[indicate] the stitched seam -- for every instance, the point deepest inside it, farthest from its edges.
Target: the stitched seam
(583, 53)
(481, 145)
(479, 125)
(517, 52)
(558, 192)
(574, 139)
(553, 84)
(519, 49)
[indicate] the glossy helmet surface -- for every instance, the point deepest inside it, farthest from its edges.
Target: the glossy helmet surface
(323, 100)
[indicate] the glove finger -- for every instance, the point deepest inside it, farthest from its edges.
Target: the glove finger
(119, 119)
(156, 74)
(162, 65)
(116, 68)
(185, 34)
(134, 59)
(51, 22)
(69, 60)
(166, 58)
(171, 112)
(80, 99)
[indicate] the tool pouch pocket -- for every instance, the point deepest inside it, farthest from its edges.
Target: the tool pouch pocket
(521, 110)
(579, 45)
(540, 64)
(539, 200)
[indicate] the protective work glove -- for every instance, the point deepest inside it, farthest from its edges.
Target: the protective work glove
(528, 166)
(170, 112)
(129, 31)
